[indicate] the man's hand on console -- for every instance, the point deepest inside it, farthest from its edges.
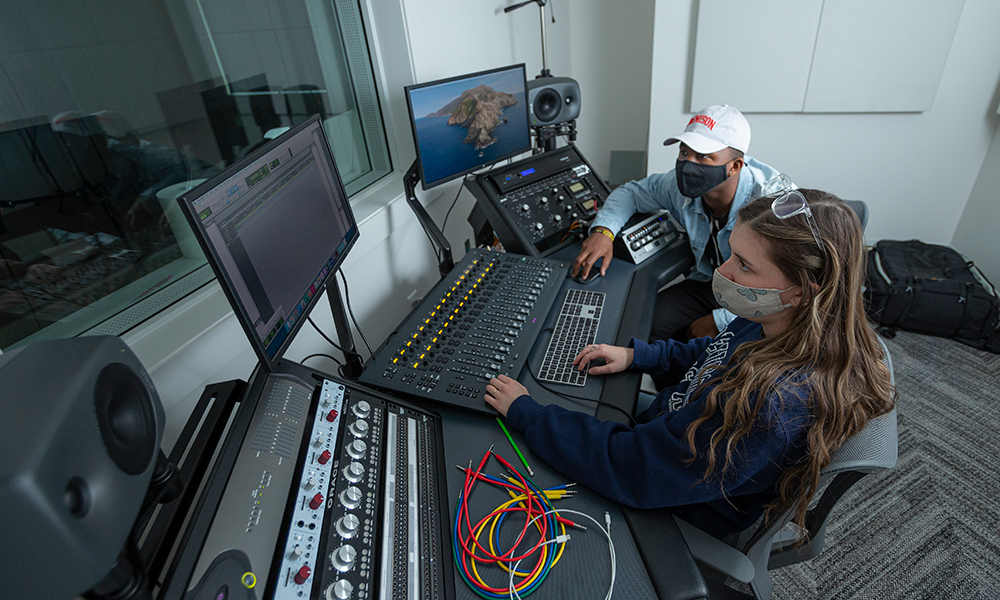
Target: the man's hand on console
(501, 392)
(611, 359)
(703, 327)
(596, 246)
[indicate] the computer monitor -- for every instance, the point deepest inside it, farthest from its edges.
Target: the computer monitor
(275, 227)
(469, 122)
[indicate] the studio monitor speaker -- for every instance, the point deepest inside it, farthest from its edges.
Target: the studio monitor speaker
(80, 430)
(553, 100)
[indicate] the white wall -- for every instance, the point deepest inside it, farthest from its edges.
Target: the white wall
(605, 46)
(915, 170)
(392, 258)
(611, 44)
(976, 234)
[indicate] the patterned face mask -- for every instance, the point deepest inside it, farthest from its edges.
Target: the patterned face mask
(746, 302)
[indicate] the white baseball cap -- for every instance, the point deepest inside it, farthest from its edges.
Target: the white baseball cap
(69, 122)
(715, 128)
(114, 124)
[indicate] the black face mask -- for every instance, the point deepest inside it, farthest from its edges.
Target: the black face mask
(695, 180)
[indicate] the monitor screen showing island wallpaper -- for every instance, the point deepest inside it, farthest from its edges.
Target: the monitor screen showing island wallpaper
(468, 122)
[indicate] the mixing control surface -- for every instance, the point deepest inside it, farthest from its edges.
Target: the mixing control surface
(480, 321)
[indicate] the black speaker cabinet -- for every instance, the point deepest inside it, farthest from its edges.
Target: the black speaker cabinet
(80, 430)
(553, 100)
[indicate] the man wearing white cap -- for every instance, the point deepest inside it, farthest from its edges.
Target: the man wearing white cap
(710, 182)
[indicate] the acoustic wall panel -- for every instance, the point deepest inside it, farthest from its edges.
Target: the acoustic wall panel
(883, 56)
(754, 54)
(822, 55)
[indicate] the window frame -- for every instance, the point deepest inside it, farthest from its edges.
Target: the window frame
(164, 336)
(169, 321)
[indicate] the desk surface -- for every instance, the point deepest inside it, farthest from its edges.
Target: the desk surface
(628, 312)
(585, 565)
(652, 558)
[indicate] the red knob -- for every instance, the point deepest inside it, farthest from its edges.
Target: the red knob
(302, 575)
(325, 457)
(332, 415)
(316, 502)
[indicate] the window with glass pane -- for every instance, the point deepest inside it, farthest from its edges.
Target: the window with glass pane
(110, 109)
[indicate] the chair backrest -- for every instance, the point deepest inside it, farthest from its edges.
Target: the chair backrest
(874, 447)
(771, 545)
(861, 209)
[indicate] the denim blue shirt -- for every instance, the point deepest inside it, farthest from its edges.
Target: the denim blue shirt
(660, 191)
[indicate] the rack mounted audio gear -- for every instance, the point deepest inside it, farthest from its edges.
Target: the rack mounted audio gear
(534, 204)
(321, 490)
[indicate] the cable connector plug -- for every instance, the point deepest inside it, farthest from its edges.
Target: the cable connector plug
(607, 520)
(562, 539)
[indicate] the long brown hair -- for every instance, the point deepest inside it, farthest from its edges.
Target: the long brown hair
(828, 338)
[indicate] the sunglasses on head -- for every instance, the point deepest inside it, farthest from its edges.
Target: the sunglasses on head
(789, 202)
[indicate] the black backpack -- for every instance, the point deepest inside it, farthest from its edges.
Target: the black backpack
(931, 289)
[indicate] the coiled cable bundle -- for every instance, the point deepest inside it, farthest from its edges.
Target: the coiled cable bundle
(472, 551)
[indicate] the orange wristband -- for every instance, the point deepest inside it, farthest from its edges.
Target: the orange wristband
(606, 232)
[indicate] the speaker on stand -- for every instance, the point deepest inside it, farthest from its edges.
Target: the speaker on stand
(80, 466)
(553, 106)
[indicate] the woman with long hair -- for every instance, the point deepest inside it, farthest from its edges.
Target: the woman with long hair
(760, 407)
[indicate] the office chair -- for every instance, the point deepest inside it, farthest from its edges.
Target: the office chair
(861, 209)
(773, 543)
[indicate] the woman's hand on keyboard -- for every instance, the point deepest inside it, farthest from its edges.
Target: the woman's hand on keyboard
(603, 359)
(501, 392)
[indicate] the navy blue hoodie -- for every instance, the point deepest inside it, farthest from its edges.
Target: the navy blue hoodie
(647, 467)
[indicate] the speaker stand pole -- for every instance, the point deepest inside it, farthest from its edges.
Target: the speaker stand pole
(545, 138)
(541, 14)
(545, 60)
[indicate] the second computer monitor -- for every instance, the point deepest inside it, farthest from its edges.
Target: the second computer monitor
(275, 227)
(468, 122)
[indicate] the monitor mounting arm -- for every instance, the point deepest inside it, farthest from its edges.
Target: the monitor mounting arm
(410, 181)
(353, 366)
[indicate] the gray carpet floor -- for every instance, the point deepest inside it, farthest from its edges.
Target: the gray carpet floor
(930, 527)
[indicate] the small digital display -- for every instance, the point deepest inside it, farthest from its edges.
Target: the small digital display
(527, 172)
(576, 187)
(588, 204)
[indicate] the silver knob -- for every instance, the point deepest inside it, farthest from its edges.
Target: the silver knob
(557, 218)
(354, 472)
(318, 441)
(539, 226)
(359, 428)
(544, 200)
(357, 449)
(350, 498)
(296, 552)
(339, 590)
(310, 483)
(524, 207)
(362, 408)
(348, 525)
(342, 558)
